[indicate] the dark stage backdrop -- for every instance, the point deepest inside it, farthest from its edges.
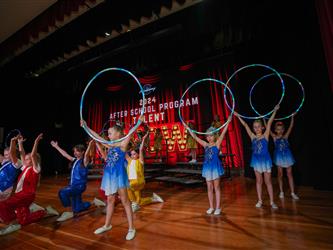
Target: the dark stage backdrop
(116, 101)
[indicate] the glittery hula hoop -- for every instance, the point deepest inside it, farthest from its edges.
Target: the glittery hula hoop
(283, 74)
(85, 127)
(10, 135)
(257, 65)
(223, 125)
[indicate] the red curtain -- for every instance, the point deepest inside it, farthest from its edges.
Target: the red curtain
(171, 92)
(325, 17)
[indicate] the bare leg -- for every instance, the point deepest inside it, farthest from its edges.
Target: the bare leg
(210, 193)
(109, 209)
(291, 179)
(217, 188)
(268, 182)
(194, 154)
(127, 205)
(259, 185)
(280, 178)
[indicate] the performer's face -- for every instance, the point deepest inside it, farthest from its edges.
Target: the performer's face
(258, 128)
(113, 134)
(27, 160)
(210, 138)
(6, 155)
(279, 130)
(78, 154)
(134, 155)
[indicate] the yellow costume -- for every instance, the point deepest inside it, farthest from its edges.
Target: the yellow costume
(190, 142)
(135, 172)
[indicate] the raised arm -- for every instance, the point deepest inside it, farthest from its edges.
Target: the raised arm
(12, 150)
(270, 121)
(83, 123)
(222, 135)
(291, 125)
(195, 137)
(101, 150)
(124, 143)
(141, 158)
(247, 128)
(61, 151)
(34, 152)
(270, 131)
(20, 141)
(87, 158)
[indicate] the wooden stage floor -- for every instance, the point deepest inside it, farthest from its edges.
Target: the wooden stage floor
(181, 222)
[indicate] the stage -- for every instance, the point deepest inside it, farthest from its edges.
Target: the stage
(181, 223)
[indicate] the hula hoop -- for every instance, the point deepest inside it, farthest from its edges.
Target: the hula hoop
(256, 65)
(284, 117)
(85, 127)
(223, 125)
(10, 134)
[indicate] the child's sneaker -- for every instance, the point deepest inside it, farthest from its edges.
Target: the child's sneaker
(34, 207)
(294, 196)
(259, 204)
(274, 206)
(281, 195)
(98, 202)
(51, 211)
(217, 211)
(210, 211)
(131, 234)
(135, 207)
(102, 229)
(9, 229)
(157, 198)
(65, 216)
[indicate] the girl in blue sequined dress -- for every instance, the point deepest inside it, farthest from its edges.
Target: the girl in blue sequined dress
(212, 168)
(261, 161)
(283, 157)
(115, 179)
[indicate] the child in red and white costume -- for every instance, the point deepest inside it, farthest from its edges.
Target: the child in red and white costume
(15, 210)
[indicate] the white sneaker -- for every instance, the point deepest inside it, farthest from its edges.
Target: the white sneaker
(102, 229)
(51, 211)
(294, 196)
(135, 207)
(98, 203)
(210, 211)
(131, 234)
(217, 211)
(274, 206)
(157, 198)
(34, 207)
(259, 204)
(193, 161)
(66, 216)
(9, 229)
(281, 195)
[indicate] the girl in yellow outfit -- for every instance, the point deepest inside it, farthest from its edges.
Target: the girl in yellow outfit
(135, 172)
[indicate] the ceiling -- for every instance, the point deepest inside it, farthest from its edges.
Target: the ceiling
(14, 14)
(50, 33)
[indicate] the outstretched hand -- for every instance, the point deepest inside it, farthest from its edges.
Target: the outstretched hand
(54, 144)
(83, 123)
(39, 137)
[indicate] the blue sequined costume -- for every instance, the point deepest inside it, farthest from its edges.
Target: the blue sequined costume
(115, 175)
(282, 156)
(261, 160)
(212, 166)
